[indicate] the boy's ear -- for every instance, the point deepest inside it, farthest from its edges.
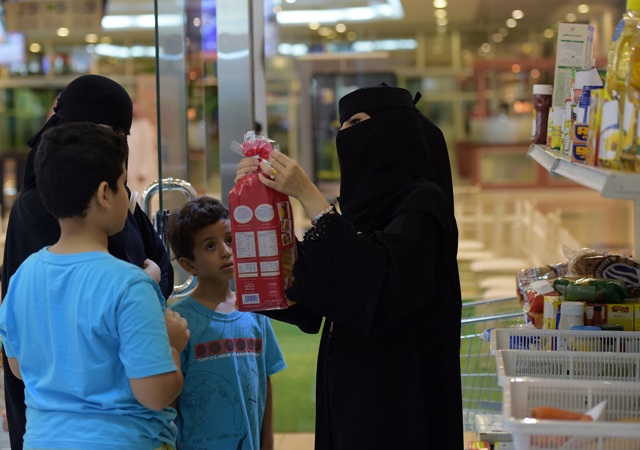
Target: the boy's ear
(101, 195)
(187, 265)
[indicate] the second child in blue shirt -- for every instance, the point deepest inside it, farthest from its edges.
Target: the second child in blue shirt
(226, 399)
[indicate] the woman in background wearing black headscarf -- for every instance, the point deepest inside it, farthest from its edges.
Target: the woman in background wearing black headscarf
(384, 275)
(89, 98)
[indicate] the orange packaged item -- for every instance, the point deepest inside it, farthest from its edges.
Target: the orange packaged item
(263, 236)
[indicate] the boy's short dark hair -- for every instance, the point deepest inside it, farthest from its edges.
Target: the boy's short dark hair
(72, 160)
(194, 215)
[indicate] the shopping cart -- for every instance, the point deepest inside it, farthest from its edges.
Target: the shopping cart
(481, 393)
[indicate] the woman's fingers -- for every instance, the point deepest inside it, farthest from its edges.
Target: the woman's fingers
(245, 166)
(278, 158)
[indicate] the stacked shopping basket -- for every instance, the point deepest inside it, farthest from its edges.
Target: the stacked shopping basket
(572, 371)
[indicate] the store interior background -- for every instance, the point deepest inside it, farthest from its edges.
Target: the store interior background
(474, 63)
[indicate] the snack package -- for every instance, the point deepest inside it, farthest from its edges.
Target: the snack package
(263, 235)
(533, 306)
(592, 290)
(595, 264)
(532, 285)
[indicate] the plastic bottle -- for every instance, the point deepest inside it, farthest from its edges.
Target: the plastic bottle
(595, 120)
(618, 69)
(630, 129)
(569, 120)
(597, 318)
(541, 105)
(620, 51)
(556, 117)
(571, 314)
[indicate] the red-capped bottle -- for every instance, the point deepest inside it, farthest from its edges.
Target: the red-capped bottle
(541, 106)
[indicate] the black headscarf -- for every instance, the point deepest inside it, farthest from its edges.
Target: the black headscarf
(88, 98)
(383, 160)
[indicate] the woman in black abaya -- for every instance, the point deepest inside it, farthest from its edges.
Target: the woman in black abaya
(89, 98)
(384, 274)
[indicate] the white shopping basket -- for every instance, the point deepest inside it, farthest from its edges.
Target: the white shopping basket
(604, 366)
(617, 429)
(565, 340)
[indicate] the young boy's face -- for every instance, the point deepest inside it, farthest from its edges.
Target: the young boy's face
(212, 252)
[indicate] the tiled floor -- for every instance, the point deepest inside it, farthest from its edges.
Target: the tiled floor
(304, 441)
(292, 441)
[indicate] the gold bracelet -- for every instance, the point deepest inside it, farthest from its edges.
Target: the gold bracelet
(331, 208)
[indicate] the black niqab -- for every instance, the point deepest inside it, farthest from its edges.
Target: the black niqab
(88, 98)
(384, 158)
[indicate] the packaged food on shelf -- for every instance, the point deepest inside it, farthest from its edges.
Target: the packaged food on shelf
(620, 314)
(551, 312)
(593, 136)
(573, 53)
(571, 314)
(588, 262)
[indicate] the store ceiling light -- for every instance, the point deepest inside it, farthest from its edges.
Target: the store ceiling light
(140, 21)
(391, 9)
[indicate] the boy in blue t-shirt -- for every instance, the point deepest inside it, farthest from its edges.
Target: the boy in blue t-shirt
(226, 400)
(87, 332)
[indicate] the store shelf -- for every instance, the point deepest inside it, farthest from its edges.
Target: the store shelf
(609, 183)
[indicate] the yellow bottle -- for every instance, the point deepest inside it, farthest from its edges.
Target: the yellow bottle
(630, 157)
(618, 70)
(620, 51)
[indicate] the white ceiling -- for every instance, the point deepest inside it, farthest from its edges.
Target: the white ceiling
(473, 15)
(481, 18)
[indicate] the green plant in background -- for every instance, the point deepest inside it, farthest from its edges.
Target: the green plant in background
(294, 389)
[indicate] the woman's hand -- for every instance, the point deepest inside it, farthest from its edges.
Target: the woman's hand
(285, 175)
(245, 167)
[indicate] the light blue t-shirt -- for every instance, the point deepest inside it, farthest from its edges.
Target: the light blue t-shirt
(225, 365)
(80, 326)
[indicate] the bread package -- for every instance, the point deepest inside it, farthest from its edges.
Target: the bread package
(594, 264)
(263, 237)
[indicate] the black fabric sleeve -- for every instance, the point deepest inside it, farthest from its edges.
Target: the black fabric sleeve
(155, 250)
(368, 283)
(306, 320)
(30, 228)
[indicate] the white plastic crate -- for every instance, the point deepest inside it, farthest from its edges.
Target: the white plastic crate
(605, 366)
(565, 340)
(623, 402)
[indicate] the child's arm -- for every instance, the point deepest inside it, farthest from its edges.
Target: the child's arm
(158, 391)
(14, 365)
(266, 433)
